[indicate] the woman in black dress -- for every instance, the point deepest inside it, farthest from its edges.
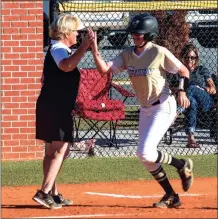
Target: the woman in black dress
(56, 101)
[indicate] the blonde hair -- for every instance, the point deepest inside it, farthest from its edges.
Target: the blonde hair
(63, 25)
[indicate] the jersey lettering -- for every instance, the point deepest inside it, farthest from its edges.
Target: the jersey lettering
(139, 72)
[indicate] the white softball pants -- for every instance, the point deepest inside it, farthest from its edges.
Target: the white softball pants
(153, 123)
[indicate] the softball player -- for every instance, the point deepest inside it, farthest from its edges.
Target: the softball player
(147, 64)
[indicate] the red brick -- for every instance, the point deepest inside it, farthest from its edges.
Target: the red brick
(28, 30)
(6, 49)
(5, 12)
(19, 99)
(27, 68)
(27, 43)
(9, 4)
(6, 99)
(27, 117)
(6, 37)
(35, 148)
(5, 137)
(19, 74)
(12, 80)
(6, 111)
(31, 136)
(10, 143)
(31, 111)
(27, 55)
(11, 156)
(19, 86)
(27, 93)
(5, 124)
(11, 93)
(5, 74)
(9, 30)
(19, 149)
(32, 124)
(19, 49)
(11, 105)
(10, 130)
(39, 155)
(19, 24)
(29, 5)
(6, 24)
(35, 11)
(19, 11)
(39, 30)
(27, 80)
(29, 18)
(27, 130)
(11, 68)
(35, 62)
(19, 124)
(35, 37)
(11, 56)
(35, 24)
(20, 62)
(19, 111)
(10, 18)
(19, 136)
(6, 62)
(5, 149)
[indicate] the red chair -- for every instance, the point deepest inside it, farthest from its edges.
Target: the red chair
(95, 108)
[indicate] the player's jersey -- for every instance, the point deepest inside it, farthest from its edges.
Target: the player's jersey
(147, 71)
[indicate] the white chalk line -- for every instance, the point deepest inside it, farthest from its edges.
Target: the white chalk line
(135, 196)
(110, 195)
(80, 216)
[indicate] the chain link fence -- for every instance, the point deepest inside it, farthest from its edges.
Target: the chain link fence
(180, 22)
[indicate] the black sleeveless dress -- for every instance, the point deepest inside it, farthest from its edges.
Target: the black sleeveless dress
(55, 103)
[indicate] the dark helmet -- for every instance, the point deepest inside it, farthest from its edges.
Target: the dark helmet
(144, 24)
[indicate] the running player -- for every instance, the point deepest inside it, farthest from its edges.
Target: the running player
(147, 64)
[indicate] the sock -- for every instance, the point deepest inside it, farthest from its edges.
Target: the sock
(168, 159)
(161, 177)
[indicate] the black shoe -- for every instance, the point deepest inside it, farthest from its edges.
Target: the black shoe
(186, 174)
(46, 200)
(168, 201)
(59, 199)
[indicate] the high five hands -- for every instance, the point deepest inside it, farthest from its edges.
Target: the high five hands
(90, 39)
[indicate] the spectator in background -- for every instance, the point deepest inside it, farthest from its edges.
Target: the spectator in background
(201, 91)
(60, 83)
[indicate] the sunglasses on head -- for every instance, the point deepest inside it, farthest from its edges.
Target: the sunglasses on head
(190, 57)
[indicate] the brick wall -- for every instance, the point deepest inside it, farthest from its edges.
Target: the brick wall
(21, 69)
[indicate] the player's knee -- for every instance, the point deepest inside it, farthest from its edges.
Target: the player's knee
(147, 157)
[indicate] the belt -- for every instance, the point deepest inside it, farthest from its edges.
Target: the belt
(155, 103)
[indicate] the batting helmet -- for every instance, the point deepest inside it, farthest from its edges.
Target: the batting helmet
(144, 24)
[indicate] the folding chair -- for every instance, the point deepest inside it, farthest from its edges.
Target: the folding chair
(95, 108)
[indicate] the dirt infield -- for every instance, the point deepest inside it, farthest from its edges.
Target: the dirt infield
(126, 199)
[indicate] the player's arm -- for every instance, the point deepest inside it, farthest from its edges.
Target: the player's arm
(174, 66)
(101, 65)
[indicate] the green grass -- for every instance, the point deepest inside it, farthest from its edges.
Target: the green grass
(97, 170)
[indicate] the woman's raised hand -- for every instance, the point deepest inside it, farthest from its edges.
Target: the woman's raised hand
(88, 39)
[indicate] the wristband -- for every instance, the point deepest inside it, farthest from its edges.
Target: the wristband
(183, 83)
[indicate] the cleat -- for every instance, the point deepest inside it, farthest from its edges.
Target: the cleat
(168, 201)
(186, 174)
(59, 199)
(46, 200)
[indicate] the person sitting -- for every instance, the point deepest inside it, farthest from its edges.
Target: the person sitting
(201, 91)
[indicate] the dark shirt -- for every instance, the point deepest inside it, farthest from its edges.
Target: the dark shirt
(60, 88)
